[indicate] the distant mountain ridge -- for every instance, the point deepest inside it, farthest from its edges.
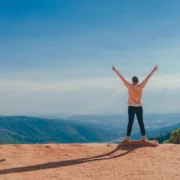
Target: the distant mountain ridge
(168, 137)
(158, 132)
(24, 129)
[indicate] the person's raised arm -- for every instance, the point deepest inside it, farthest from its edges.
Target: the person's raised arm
(148, 77)
(120, 76)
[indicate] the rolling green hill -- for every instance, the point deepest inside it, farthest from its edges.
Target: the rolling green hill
(169, 137)
(21, 129)
(166, 131)
(162, 137)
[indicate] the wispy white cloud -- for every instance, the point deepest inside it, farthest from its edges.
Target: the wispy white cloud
(98, 95)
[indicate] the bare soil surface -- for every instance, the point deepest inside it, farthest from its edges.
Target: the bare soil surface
(89, 161)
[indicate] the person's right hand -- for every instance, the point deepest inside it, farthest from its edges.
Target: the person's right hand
(155, 68)
(113, 68)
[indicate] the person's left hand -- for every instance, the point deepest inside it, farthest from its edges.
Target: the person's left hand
(113, 68)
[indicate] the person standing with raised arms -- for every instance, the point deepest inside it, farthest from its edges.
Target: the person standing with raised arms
(135, 107)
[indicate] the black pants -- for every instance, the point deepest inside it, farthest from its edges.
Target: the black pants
(139, 114)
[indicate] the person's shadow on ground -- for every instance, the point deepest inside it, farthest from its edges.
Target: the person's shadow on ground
(64, 163)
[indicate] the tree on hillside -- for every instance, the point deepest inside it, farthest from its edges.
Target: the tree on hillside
(175, 137)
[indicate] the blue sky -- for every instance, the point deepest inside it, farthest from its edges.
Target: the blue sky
(56, 56)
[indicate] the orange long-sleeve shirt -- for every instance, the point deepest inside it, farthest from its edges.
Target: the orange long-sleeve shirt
(135, 93)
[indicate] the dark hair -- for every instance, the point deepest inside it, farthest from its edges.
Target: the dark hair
(135, 79)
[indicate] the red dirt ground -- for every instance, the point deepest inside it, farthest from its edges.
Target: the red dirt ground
(89, 162)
